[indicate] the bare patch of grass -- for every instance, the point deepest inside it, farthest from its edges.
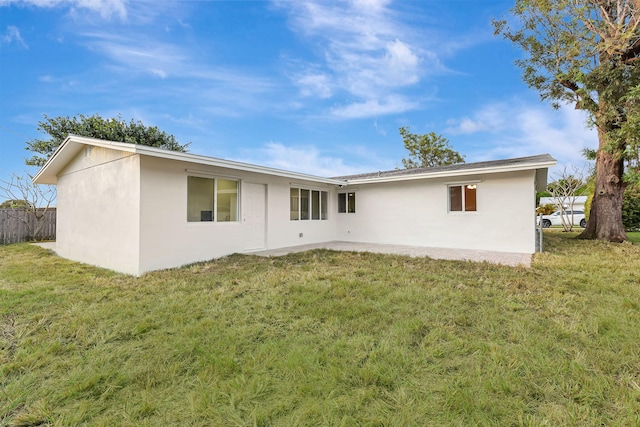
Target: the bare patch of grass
(324, 338)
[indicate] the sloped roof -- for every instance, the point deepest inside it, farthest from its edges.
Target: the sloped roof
(521, 163)
(73, 144)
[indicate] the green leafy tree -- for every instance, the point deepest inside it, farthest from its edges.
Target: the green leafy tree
(428, 150)
(586, 52)
(113, 129)
(14, 204)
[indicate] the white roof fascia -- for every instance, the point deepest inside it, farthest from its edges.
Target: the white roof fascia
(48, 162)
(231, 164)
(166, 154)
(459, 172)
(122, 146)
(65, 153)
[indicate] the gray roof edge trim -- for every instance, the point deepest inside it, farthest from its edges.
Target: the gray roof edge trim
(459, 172)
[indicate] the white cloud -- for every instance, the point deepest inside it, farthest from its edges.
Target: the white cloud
(365, 52)
(304, 159)
(105, 8)
(402, 62)
(164, 60)
(467, 125)
(563, 133)
(315, 84)
(374, 107)
(131, 61)
(12, 35)
(159, 73)
(518, 129)
(137, 54)
(369, 5)
(184, 75)
(489, 118)
(379, 129)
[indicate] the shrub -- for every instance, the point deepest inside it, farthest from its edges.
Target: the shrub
(546, 209)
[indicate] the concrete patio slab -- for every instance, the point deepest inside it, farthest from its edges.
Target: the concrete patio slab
(503, 258)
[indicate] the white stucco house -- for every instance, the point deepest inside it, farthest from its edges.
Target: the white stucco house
(134, 209)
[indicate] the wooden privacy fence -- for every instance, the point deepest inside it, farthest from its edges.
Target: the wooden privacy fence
(14, 229)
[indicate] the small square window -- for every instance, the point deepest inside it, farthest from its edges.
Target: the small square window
(347, 202)
(462, 198)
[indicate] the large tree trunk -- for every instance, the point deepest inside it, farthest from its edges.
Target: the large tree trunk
(605, 219)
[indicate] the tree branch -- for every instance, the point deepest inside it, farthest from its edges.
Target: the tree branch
(573, 86)
(632, 53)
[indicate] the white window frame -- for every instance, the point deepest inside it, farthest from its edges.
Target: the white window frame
(310, 190)
(463, 195)
(346, 202)
(215, 178)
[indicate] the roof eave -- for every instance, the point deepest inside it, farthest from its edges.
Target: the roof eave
(231, 164)
(48, 174)
(42, 177)
(454, 173)
(71, 145)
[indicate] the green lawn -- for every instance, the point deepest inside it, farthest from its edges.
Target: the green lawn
(324, 338)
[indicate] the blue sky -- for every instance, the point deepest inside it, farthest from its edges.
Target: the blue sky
(312, 86)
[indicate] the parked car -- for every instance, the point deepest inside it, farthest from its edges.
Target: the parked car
(555, 219)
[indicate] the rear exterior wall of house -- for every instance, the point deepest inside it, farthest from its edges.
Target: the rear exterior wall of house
(135, 213)
(262, 219)
(418, 213)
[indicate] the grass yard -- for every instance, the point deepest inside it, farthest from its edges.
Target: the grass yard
(324, 338)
